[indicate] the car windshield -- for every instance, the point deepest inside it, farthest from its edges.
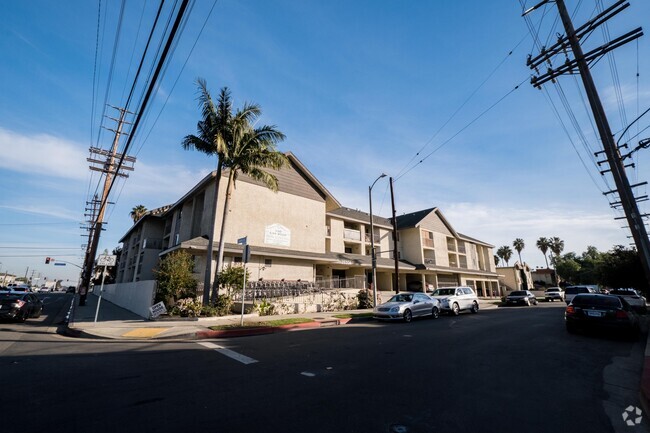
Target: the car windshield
(623, 292)
(553, 290)
(596, 301)
(445, 292)
(401, 298)
(518, 293)
(576, 290)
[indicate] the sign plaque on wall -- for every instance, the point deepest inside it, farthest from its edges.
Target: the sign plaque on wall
(278, 235)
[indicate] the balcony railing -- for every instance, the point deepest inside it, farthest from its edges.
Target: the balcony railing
(429, 261)
(377, 237)
(451, 245)
(427, 242)
(353, 235)
(461, 247)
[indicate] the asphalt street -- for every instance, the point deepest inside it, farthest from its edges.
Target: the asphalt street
(504, 370)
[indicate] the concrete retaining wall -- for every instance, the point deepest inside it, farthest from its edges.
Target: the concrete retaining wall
(136, 297)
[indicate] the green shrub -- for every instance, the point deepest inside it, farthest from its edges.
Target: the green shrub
(209, 311)
(223, 305)
(187, 307)
(265, 308)
(175, 279)
(364, 299)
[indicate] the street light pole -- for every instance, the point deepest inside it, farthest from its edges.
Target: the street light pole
(372, 245)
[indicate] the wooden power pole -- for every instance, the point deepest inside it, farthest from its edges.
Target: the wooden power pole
(581, 61)
(109, 168)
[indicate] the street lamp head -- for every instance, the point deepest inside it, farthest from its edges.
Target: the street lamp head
(382, 175)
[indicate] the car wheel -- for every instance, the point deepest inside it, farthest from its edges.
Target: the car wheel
(435, 313)
(408, 316)
(455, 309)
(24, 316)
(474, 308)
(528, 302)
(535, 302)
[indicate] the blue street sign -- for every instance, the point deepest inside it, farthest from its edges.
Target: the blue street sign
(242, 241)
(59, 264)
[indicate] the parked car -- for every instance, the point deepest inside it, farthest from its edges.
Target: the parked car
(405, 306)
(571, 291)
(456, 299)
(20, 306)
(633, 297)
(553, 293)
(19, 288)
(521, 297)
(588, 311)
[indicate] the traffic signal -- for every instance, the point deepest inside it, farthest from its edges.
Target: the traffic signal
(47, 260)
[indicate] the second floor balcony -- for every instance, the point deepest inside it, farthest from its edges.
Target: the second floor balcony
(352, 235)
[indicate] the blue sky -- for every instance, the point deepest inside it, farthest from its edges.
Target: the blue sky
(357, 87)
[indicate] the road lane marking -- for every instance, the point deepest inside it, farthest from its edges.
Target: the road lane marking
(308, 374)
(229, 353)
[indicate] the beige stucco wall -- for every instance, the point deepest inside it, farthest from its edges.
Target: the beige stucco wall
(289, 269)
(253, 208)
(337, 244)
(410, 245)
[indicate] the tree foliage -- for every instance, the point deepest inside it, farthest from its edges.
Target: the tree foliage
(505, 253)
(175, 279)
(138, 212)
(619, 267)
(518, 244)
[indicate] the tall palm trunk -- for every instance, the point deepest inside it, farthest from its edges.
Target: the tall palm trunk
(208, 255)
(226, 204)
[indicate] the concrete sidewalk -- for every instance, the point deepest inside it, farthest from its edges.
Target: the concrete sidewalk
(114, 322)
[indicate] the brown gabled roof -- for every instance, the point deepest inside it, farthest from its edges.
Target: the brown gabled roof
(357, 215)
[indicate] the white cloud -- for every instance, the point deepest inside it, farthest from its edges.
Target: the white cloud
(42, 154)
(501, 225)
(49, 211)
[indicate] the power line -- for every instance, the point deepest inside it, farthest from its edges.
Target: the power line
(441, 145)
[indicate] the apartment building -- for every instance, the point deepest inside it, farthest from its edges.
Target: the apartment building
(301, 232)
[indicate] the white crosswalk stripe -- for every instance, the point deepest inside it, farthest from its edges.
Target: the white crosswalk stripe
(229, 353)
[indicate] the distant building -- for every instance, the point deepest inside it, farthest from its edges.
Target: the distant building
(517, 277)
(303, 233)
(544, 277)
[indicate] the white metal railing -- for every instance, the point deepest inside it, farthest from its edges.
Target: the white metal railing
(354, 235)
(429, 261)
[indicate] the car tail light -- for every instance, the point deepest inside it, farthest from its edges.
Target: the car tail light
(18, 304)
(570, 310)
(621, 314)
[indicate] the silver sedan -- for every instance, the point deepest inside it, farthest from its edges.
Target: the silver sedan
(406, 306)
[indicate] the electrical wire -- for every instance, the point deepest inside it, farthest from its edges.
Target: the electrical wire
(177, 78)
(441, 145)
(430, 140)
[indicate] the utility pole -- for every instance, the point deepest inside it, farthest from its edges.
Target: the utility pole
(109, 169)
(616, 166)
(395, 248)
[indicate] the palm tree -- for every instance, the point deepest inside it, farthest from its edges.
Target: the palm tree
(556, 245)
(543, 244)
(518, 245)
(212, 138)
(505, 253)
(138, 212)
(250, 151)
(496, 260)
